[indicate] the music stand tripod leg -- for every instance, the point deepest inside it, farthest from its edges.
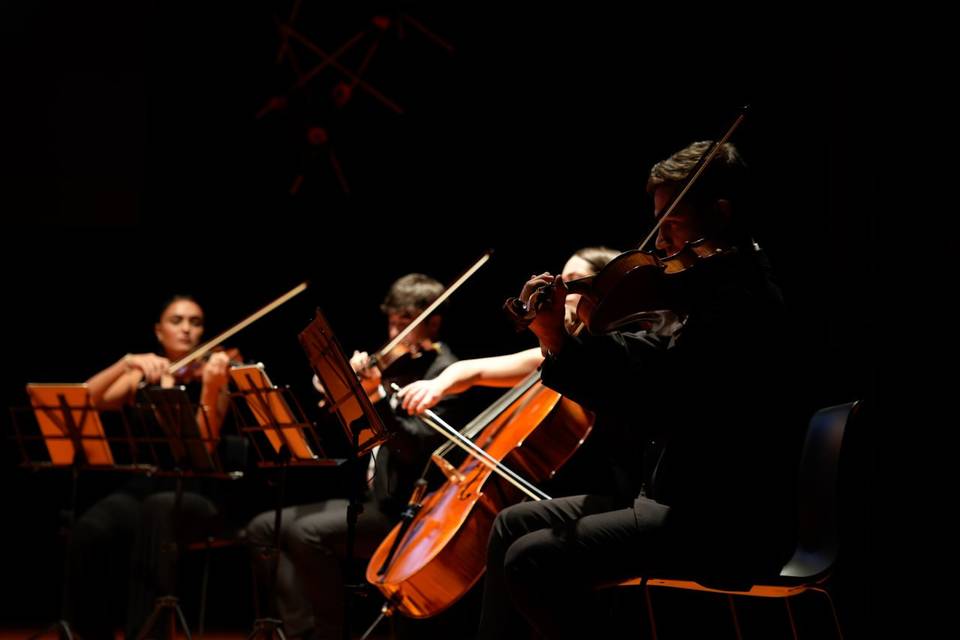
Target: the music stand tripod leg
(169, 604)
(61, 626)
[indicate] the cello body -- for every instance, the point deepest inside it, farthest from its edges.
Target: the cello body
(443, 552)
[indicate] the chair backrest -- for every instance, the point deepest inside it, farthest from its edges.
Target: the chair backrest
(818, 496)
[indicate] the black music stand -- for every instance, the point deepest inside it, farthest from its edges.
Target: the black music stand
(181, 449)
(282, 437)
(350, 402)
(66, 431)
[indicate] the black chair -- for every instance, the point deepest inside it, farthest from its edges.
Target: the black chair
(813, 561)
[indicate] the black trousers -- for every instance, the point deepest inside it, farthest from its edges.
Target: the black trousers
(310, 573)
(545, 558)
(122, 544)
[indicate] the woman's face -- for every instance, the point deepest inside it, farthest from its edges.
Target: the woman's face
(575, 268)
(180, 328)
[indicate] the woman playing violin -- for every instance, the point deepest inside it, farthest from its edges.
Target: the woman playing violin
(706, 411)
(178, 331)
(125, 532)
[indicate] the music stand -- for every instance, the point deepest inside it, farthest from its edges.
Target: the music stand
(282, 437)
(181, 449)
(347, 398)
(68, 433)
(288, 434)
(351, 404)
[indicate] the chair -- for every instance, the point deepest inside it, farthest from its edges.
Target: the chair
(817, 542)
(226, 539)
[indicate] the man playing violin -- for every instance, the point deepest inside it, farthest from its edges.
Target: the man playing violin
(310, 579)
(706, 413)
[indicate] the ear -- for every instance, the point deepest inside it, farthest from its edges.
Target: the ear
(156, 331)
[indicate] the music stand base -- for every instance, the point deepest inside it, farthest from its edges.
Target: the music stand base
(267, 629)
(61, 628)
(171, 606)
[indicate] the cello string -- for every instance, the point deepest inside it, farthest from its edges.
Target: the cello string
(482, 456)
(438, 424)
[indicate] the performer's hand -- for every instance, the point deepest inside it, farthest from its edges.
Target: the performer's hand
(215, 371)
(369, 376)
(548, 324)
(421, 395)
(319, 385)
(150, 364)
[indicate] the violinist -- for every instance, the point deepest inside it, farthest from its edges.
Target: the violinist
(706, 414)
(118, 543)
(178, 331)
(310, 583)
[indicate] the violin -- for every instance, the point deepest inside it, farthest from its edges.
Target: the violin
(190, 367)
(637, 281)
(404, 360)
(401, 360)
(194, 370)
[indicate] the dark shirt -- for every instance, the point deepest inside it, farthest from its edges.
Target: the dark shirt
(402, 460)
(716, 396)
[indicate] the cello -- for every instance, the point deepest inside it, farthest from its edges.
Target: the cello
(438, 552)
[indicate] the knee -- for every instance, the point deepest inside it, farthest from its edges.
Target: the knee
(157, 509)
(302, 539)
(89, 533)
(260, 530)
(510, 524)
(521, 564)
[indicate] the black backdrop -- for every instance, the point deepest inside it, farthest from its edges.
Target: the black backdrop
(137, 168)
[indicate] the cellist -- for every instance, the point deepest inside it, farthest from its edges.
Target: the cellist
(506, 370)
(706, 408)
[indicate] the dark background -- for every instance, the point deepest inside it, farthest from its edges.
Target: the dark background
(136, 167)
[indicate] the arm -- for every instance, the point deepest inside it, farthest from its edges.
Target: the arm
(110, 388)
(549, 323)
(496, 371)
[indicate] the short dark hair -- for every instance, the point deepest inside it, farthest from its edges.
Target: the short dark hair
(726, 177)
(411, 294)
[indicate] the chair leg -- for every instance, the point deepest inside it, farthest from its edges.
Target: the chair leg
(255, 590)
(733, 616)
(833, 610)
(793, 624)
(649, 603)
(203, 592)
